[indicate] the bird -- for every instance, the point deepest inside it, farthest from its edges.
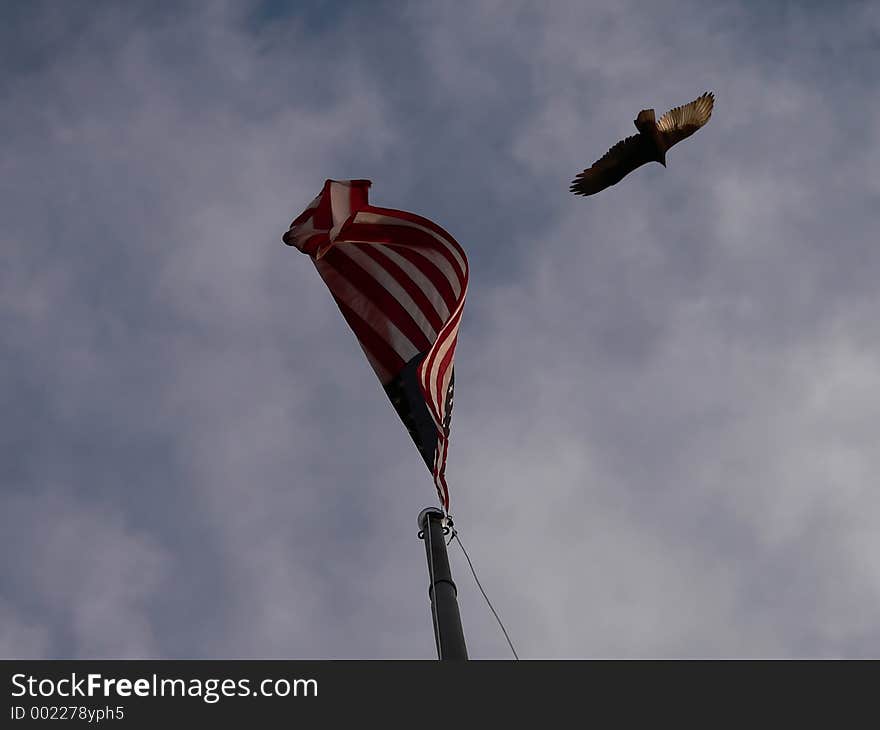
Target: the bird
(649, 145)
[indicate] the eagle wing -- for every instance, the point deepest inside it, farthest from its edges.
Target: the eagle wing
(619, 161)
(684, 120)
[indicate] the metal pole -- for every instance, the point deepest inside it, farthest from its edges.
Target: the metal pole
(444, 602)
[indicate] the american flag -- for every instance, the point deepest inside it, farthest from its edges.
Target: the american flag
(400, 281)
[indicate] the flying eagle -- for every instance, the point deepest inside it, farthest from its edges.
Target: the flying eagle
(649, 145)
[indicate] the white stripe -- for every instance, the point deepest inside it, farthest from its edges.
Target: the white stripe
(444, 390)
(442, 263)
(437, 258)
(439, 398)
(340, 206)
(439, 465)
(367, 311)
(391, 285)
(340, 202)
(442, 346)
(438, 454)
(418, 278)
(391, 221)
(305, 229)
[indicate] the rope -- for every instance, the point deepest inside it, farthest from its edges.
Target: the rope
(479, 585)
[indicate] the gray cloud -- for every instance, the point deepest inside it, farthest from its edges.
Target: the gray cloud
(82, 567)
(662, 438)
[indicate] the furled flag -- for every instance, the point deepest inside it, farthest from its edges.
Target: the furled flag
(400, 281)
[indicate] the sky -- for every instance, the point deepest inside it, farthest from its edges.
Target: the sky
(664, 441)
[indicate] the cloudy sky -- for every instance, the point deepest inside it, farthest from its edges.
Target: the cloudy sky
(665, 435)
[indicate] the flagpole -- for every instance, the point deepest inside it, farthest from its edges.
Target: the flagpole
(448, 634)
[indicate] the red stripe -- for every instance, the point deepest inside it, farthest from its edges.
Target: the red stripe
(417, 219)
(402, 278)
(371, 341)
(440, 472)
(312, 243)
(323, 215)
(441, 372)
(401, 236)
(438, 397)
(357, 197)
(448, 329)
(443, 483)
(378, 295)
(426, 365)
(430, 271)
